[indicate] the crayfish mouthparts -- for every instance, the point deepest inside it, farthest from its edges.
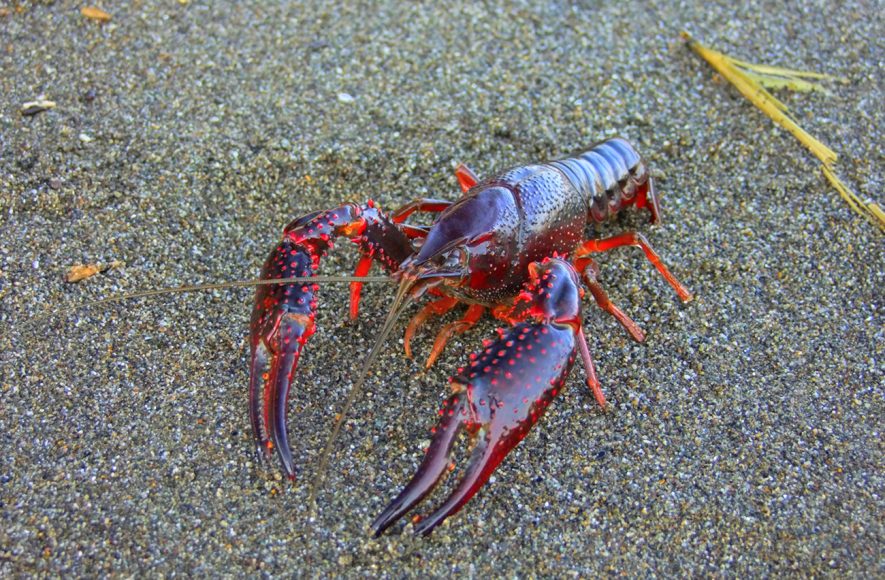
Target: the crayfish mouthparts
(421, 283)
(449, 269)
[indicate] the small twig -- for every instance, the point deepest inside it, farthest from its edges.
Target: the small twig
(753, 80)
(79, 272)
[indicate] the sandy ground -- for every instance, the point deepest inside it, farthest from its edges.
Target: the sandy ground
(744, 438)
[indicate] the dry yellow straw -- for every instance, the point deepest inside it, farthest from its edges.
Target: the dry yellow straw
(753, 80)
(858, 204)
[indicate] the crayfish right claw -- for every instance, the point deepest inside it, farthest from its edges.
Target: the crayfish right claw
(257, 374)
(281, 323)
(284, 313)
(486, 456)
(270, 428)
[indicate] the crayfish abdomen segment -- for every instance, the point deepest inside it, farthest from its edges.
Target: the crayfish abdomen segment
(609, 176)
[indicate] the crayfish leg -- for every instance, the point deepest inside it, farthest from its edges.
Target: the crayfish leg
(590, 369)
(435, 308)
(356, 288)
(467, 179)
(646, 197)
(471, 317)
(423, 204)
(589, 271)
(638, 240)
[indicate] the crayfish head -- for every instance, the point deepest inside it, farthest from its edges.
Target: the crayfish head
(461, 240)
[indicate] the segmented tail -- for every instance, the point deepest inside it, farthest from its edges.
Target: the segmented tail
(610, 176)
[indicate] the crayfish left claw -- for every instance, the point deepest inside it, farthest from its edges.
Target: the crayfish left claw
(436, 462)
(499, 397)
(501, 394)
(486, 457)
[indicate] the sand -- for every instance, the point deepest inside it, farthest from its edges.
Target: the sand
(743, 439)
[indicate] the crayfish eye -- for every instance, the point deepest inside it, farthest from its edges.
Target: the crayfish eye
(459, 257)
(450, 262)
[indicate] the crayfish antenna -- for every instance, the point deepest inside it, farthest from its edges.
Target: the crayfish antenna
(233, 284)
(400, 303)
(201, 287)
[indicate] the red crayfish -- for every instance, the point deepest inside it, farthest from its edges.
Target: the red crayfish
(513, 243)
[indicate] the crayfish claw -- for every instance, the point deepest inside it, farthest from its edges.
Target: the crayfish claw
(282, 321)
(473, 314)
(497, 403)
(488, 452)
(269, 384)
(284, 313)
(278, 392)
(501, 394)
(268, 394)
(258, 372)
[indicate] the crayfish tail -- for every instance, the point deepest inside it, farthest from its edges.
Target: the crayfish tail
(611, 175)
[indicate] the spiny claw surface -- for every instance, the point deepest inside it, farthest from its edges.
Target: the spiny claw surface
(502, 393)
(282, 321)
(283, 317)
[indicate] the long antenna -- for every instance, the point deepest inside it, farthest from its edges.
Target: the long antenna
(234, 284)
(213, 286)
(400, 303)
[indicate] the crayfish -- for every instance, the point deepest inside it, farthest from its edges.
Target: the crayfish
(513, 244)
